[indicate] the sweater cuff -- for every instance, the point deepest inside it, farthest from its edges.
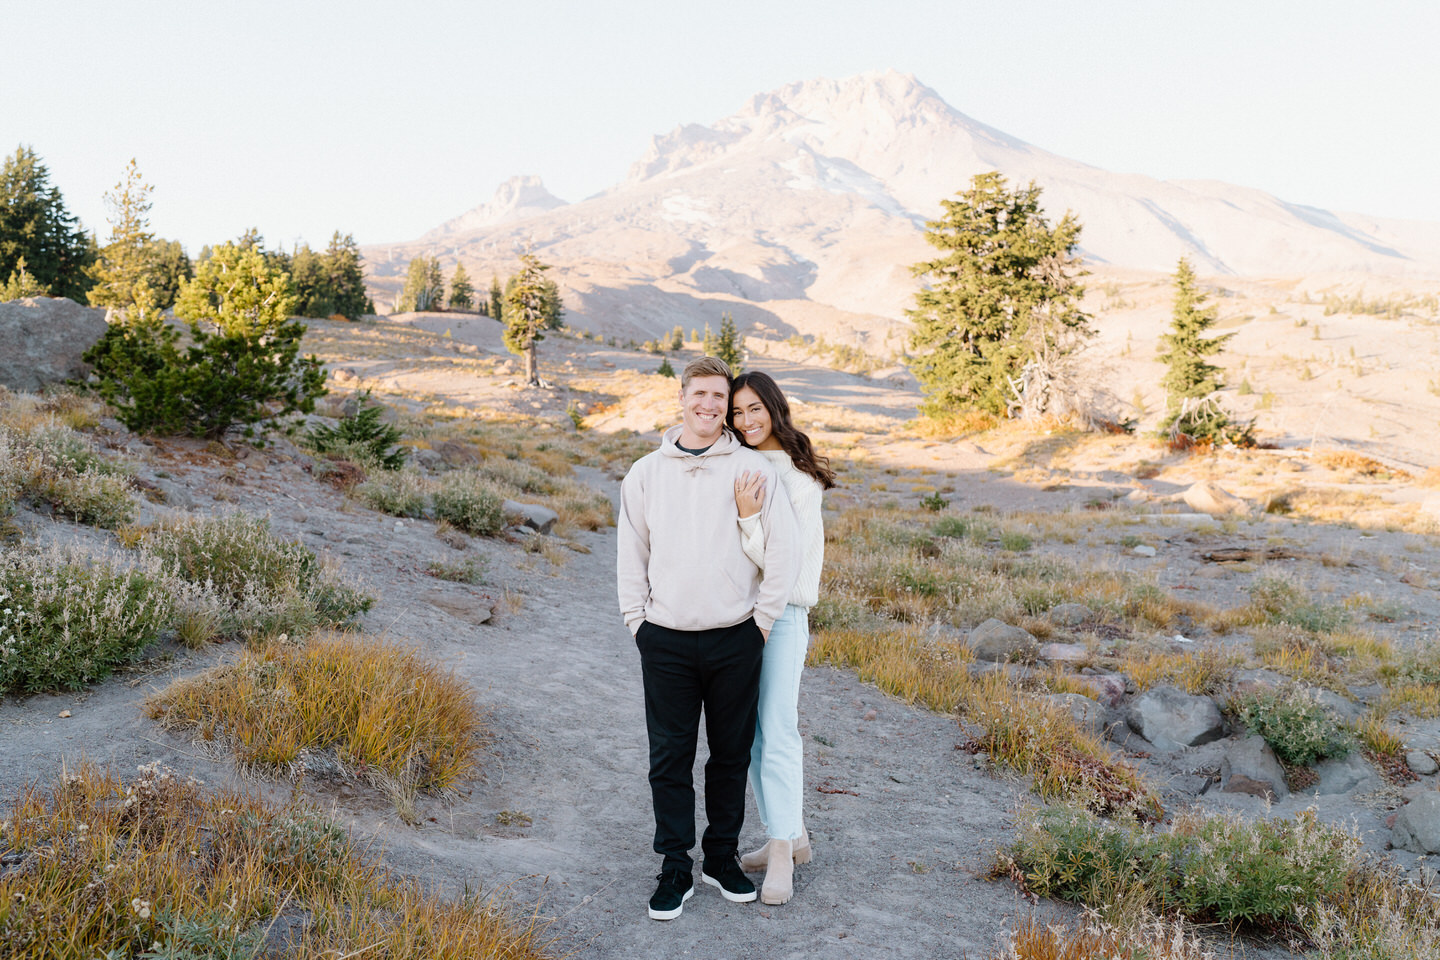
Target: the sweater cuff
(763, 622)
(634, 624)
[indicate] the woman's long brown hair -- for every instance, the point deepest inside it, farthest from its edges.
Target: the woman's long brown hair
(795, 444)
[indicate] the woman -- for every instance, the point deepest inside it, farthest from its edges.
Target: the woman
(761, 416)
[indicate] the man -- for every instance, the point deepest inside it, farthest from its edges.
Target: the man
(700, 613)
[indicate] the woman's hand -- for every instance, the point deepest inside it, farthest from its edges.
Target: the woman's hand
(749, 492)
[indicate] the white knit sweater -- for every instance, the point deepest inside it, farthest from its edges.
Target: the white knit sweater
(805, 494)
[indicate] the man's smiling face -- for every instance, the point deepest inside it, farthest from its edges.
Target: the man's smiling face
(704, 404)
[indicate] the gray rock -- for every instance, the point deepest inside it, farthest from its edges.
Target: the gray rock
(1421, 762)
(1063, 653)
(1144, 550)
(1343, 775)
(175, 495)
(42, 340)
(1417, 826)
(532, 515)
(427, 458)
(1343, 708)
(1087, 714)
(998, 641)
(456, 454)
(1069, 614)
(1173, 719)
(1250, 767)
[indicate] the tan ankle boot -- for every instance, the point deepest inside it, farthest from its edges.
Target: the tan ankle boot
(779, 882)
(801, 848)
(756, 859)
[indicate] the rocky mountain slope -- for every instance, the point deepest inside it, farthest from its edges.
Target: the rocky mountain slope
(802, 211)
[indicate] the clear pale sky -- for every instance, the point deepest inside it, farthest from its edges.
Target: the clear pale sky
(385, 119)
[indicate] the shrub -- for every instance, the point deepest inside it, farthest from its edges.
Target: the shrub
(242, 365)
(1297, 728)
(157, 867)
(400, 493)
(467, 571)
(250, 582)
(363, 431)
(95, 497)
(470, 503)
(66, 621)
(1279, 599)
(400, 720)
(1206, 868)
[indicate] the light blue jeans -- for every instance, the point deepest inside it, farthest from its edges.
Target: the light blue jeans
(776, 758)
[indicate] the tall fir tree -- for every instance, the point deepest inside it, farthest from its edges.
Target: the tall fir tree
(36, 228)
(122, 272)
(1185, 347)
(312, 285)
(730, 346)
(167, 268)
(531, 308)
(1003, 293)
(424, 286)
(497, 300)
(345, 277)
(462, 292)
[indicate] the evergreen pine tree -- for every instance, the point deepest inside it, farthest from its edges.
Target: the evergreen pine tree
(677, 338)
(462, 292)
(308, 274)
(1189, 378)
(167, 268)
(122, 273)
(36, 227)
(730, 347)
(366, 430)
(530, 309)
(345, 277)
(709, 344)
(1187, 373)
(1001, 295)
(497, 300)
(421, 281)
(21, 284)
(665, 369)
(434, 285)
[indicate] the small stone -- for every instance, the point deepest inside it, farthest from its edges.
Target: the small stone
(64, 714)
(1069, 614)
(998, 641)
(1421, 762)
(1144, 550)
(1250, 767)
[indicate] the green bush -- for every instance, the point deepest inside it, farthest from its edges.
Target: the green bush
(400, 493)
(1280, 599)
(248, 581)
(65, 621)
(1298, 729)
(1206, 868)
(242, 364)
(470, 503)
(363, 430)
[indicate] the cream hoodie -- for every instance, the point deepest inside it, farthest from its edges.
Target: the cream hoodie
(679, 563)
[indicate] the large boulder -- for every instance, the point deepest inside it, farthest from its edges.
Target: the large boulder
(1250, 767)
(998, 641)
(532, 515)
(1417, 827)
(1172, 719)
(1087, 713)
(42, 340)
(1207, 497)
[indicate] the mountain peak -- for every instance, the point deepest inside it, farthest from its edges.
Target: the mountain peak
(515, 199)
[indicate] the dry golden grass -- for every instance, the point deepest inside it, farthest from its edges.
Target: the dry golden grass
(1090, 939)
(99, 867)
(394, 718)
(1017, 729)
(1203, 671)
(1416, 699)
(1359, 465)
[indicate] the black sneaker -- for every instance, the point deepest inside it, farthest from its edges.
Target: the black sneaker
(727, 875)
(676, 886)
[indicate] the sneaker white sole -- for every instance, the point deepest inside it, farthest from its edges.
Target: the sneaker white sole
(732, 897)
(671, 914)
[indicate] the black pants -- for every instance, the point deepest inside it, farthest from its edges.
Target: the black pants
(684, 671)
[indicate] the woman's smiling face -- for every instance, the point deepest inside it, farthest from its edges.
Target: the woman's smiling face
(751, 420)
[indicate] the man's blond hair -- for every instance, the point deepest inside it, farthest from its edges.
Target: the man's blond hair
(704, 367)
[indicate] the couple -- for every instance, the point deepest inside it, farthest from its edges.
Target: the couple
(719, 556)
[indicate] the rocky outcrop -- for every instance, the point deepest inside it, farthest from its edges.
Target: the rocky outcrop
(1206, 497)
(1172, 719)
(42, 340)
(531, 515)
